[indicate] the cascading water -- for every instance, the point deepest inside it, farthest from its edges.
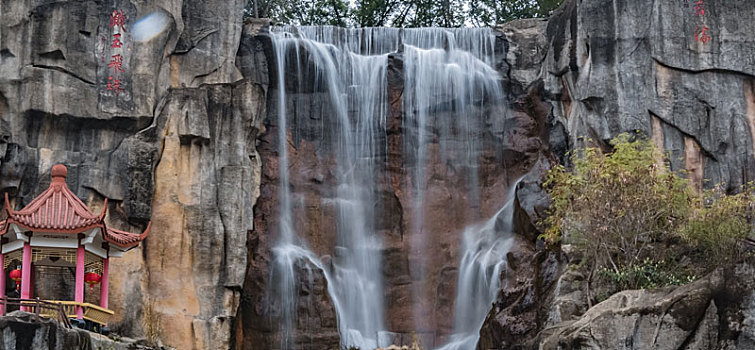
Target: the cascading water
(449, 83)
(355, 281)
(484, 249)
(459, 78)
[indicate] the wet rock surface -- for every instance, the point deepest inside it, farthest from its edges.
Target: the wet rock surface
(513, 142)
(188, 144)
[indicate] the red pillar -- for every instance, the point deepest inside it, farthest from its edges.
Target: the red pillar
(2, 283)
(31, 283)
(80, 281)
(103, 283)
(25, 272)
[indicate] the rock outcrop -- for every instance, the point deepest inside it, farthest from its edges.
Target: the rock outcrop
(186, 142)
(25, 331)
(173, 143)
(640, 67)
(629, 66)
(715, 312)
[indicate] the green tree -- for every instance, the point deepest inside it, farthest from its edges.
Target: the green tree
(719, 225)
(432, 13)
(300, 12)
(399, 13)
(495, 12)
(375, 13)
(612, 206)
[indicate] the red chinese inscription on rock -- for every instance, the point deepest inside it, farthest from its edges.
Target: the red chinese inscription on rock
(116, 44)
(701, 35)
(118, 27)
(701, 31)
(118, 19)
(116, 63)
(114, 84)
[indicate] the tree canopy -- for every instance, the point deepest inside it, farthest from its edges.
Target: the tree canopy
(399, 13)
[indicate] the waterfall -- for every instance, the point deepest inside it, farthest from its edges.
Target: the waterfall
(449, 83)
(284, 259)
(452, 76)
(484, 250)
(354, 82)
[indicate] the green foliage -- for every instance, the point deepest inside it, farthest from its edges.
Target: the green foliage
(636, 222)
(646, 274)
(493, 12)
(431, 13)
(611, 206)
(375, 13)
(399, 13)
(300, 12)
(719, 225)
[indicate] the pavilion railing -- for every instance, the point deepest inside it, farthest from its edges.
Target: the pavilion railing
(39, 308)
(92, 312)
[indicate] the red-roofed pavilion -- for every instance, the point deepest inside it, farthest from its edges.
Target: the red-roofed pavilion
(57, 229)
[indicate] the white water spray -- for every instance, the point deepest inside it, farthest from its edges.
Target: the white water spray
(449, 82)
(353, 82)
(484, 250)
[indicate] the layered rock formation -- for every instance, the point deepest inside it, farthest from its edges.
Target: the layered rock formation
(628, 66)
(637, 67)
(715, 312)
(188, 143)
(174, 143)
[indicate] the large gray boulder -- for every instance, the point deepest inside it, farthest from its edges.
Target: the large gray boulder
(715, 312)
(24, 331)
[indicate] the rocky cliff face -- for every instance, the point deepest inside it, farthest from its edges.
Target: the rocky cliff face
(624, 66)
(186, 143)
(609, 67)
(175, 145)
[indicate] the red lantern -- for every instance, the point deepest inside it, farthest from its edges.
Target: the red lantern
(92, 278)
(16, 276)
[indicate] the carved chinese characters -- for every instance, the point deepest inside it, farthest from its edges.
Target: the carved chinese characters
(115, 66)
(701, 30)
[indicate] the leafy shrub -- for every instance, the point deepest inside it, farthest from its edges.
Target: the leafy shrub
(646, 274)
(719, 224)
(612, 206)
(636, 222)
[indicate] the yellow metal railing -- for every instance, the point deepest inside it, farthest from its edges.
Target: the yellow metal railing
(97, 314)
(69, 307)
(92, 312)
(38, 308)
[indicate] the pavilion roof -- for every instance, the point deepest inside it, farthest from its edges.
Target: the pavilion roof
(58, 210)
(125, 239)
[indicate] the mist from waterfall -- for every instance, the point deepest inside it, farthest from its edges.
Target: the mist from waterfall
(449, 80)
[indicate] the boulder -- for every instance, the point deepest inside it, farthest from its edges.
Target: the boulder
(715, 312)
